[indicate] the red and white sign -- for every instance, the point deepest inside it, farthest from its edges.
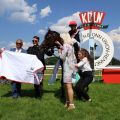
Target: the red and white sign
(92, 17)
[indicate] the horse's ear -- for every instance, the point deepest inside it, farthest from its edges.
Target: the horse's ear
(49, 30)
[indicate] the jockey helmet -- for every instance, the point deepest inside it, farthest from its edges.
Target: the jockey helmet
(72, 23)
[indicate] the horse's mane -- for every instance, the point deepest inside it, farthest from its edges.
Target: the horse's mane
(50, 38)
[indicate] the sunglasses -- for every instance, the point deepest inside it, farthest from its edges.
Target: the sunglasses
(34, 41)
(18, 43)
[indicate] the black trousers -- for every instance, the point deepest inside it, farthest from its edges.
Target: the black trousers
(82, 84)
(38, 89)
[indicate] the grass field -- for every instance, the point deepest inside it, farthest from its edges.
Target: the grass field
(105, 104)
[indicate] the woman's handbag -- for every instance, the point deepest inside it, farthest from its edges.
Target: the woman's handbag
(75, 77)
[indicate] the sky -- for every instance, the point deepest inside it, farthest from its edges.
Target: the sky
(25, 18)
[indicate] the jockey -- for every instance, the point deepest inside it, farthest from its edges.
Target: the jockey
(74, 32)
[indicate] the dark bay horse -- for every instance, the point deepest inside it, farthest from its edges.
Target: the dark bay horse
(50, 40)
(50, 43)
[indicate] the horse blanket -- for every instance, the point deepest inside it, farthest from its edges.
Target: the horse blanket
(20, 67)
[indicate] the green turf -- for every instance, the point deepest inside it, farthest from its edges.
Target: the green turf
(105, 104)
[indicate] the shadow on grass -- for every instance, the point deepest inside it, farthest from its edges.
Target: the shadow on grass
(25, 93)
(29, 93)
(58, 94)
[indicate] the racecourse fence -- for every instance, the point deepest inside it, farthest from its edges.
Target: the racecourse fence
(50, 68)
(49, 71)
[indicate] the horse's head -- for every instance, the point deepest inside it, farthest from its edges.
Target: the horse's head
(50, 39)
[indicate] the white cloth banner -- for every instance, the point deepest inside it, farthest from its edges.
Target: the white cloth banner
(20, 67)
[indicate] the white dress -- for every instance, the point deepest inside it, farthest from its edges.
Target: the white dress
(69, 61)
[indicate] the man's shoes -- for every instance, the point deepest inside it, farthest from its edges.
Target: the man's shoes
(14, 96)
(37, 95)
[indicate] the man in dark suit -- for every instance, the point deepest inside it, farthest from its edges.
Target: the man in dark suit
(16, 86)
(40, 53)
